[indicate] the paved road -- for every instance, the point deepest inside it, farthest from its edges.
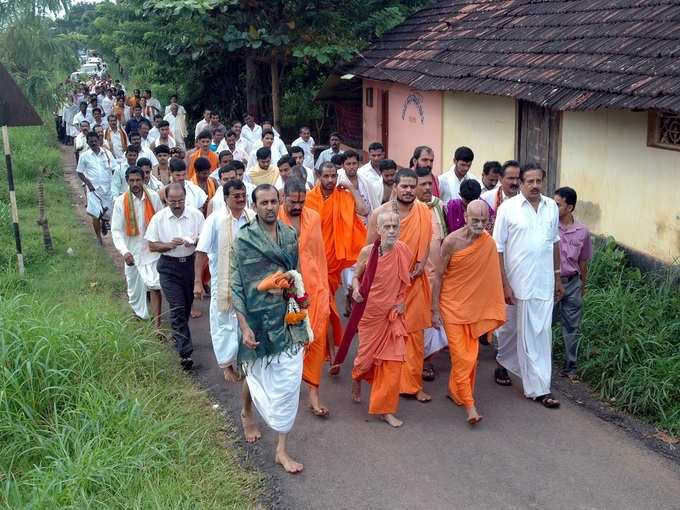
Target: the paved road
(520, 456)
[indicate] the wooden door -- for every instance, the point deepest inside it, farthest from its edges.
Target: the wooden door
(385, 119)
(538, 140)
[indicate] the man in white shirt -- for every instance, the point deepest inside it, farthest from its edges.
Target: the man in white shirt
(449, 182)
(202, 124)
(333, 150)
(241, 142)
(154, 133)
(491, 174)
(118, 181)
(173, 101)
(214, 248)
(371, 172)
(108, 101)
(173, 232)
(83, 114)
(268, 138)
(132, 211)
(178, 124)
(80, 141)
(152, 102)
(194, 196)
(267, 124)
(164, 136)
(306, 142)
(298, 154)
(349, 177)
(115, 138)
(250, 131)
(95, 168)
(229, 143)
(527, 237)
(509, 186)
(144, 152)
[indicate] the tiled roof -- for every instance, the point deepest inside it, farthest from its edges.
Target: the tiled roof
(562, 54)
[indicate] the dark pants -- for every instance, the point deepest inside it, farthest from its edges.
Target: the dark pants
(177, 282)
(568, 313)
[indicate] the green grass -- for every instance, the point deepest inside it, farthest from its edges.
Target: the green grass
(94, 413)
(630, 345)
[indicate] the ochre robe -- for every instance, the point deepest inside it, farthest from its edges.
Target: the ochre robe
(211, 156)
(471, 304)
(344, 235)
(382, 331)
(416, 233)
(314, 271)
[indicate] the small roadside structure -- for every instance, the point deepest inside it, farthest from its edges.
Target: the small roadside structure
(590, 90)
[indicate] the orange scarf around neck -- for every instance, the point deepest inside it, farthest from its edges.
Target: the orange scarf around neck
(131, 224)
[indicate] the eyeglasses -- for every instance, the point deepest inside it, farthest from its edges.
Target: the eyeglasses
(175, 202)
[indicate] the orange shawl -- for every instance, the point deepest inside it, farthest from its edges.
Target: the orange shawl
(214, 161)
(131, 225)
(212, 186)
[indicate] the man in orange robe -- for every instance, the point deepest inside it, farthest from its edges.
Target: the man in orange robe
(314, 269)
(202, 151)
(416, 233)
(467, 298)
(344, 234)
(382, 328)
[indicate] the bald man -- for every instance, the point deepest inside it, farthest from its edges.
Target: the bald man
(467, 298)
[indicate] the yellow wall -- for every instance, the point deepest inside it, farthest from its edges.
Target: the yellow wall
(625, 189)
(486, 124)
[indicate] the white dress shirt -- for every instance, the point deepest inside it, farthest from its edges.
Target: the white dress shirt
(165, 226)
(79, 117)
(243, 145)
(449, 184)
(308, 148)
(137, 245)
(154, 103)
(364, 187)
(116, 142)
(201, 126)
(180, 110)
(209, 241)
(490, 196)
(325, 156)
(107, 105)
(251, 135)
(375, 181)
(98, 168)
(526, 237)
(237, 152)
(196, 197)
(278, 150)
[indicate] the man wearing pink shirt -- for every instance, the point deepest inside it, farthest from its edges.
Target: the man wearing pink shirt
(575, 252)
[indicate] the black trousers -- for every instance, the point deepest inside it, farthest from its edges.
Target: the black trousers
(177, 282)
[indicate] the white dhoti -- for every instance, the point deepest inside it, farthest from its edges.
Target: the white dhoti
(435, 340)
(224, 332)
(275, 389)
(140, 279)
(99, 202)
(525, 344)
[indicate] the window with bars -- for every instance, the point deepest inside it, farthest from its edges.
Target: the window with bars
(663, 130)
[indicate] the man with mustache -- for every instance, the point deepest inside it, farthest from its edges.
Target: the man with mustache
(527, 237)
(467, 299)
(314, 269)
(416, 232)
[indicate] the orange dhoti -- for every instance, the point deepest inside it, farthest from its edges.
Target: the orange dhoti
(416, 233)
(314, 272)
(382, 332)
(344, 235)
(471, 304)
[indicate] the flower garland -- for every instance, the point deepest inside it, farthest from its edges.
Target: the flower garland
(298, 302)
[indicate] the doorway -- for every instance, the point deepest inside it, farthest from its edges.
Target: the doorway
(538, 140)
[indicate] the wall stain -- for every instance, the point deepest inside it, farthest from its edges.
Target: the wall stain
(589, 213)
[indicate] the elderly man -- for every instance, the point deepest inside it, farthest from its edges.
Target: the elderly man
(344, 233)
(416, 233)
(214, 249)
(176, 119)
(132, 213)
(95, 169)
(314, 269)
(384, 269)
(467, 299)
(527, 235)
(264, 261)
(173, 232)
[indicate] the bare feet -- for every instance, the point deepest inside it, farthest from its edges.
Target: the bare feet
(250, 429)
(315, 403)
(230, 375)
(334, 370)
(473, 417)
(356, 391)
(287, 463)
(392, 420)
(421, 396)
(195, 314)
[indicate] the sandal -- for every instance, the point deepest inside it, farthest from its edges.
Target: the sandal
(501, 377)
(428, 372)
(548, 401)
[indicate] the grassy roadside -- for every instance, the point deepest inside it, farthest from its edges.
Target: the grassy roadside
(630, 344)
(93, 411)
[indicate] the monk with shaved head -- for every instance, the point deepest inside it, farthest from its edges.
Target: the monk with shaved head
(467, 298)
(384, 269)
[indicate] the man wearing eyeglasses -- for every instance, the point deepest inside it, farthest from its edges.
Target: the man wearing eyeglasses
(173, 232)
